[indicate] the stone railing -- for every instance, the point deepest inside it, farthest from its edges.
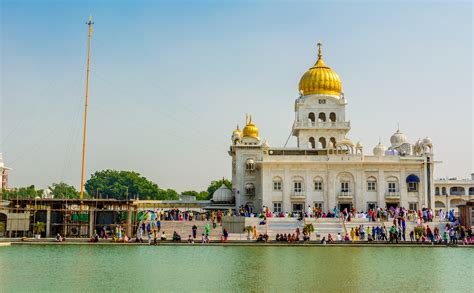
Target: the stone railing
(298, 194)
(327, 124)
(345, 195)
(392, 194)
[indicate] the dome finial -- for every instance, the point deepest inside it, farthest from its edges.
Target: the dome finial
(320, 52)
(250, 118)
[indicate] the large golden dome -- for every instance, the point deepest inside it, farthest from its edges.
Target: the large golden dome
(251, 129)
(320, 79)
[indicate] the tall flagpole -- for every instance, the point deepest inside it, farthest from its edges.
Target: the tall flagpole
(90, 23)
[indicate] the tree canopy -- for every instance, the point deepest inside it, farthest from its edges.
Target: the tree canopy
(22, 192)
(203, 195)
(63, 190)
(216, 184)
(125, 184)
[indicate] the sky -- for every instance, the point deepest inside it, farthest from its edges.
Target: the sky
(170, 80)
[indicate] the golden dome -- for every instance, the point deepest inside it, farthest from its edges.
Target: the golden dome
(320, 79)
(237, 131)
(250, 129)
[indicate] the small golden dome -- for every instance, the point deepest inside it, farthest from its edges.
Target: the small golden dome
(320, 79)
(250, 129)
(237, 131)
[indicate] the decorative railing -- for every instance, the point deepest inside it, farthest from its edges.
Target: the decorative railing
(345, 195)
(330, 124)
(392, 194)
(298, 194)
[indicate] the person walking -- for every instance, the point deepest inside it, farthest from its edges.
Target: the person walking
(194, 231)
(225, 234)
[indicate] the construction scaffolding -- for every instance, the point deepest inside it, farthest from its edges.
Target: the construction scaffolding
(65, 216)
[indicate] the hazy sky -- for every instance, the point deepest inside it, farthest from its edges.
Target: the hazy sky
(170, 80)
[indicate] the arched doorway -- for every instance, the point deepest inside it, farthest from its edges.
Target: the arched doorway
(322, 117)
(454, 203)
(322, 141)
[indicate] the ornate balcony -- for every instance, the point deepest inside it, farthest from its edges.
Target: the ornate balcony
(298, 194)
(345, 195)
(392, 195)
(325, 125)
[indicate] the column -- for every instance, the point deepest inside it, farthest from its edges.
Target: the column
(381, 189)
(286, 191)
(129, 221)
(359, 195)
(91, 222)
(331, 190)
(48, 222)
(403, 189)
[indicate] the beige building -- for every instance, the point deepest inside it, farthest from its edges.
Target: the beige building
(452, 192)
(326, 169)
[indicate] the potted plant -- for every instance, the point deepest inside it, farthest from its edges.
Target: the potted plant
(38, 228)
(249, 230)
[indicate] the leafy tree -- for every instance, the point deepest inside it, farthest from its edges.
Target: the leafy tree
(126, 184)
(216, 184)
(203, 195)
(63, 190)
(22, 192)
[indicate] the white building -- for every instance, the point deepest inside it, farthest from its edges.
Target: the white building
(452, 192)
(327, 169)
(3, 173)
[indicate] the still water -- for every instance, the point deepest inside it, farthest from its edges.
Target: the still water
(88, 268)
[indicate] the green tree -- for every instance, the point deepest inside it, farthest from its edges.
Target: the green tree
(63, 190)
(216, 184)
(22, 192)
(125, 184)
(203, 195)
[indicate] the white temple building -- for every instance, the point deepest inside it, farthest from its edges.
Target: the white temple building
(327, 169)
(3, 173)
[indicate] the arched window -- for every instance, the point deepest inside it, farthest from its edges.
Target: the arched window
(456, 190)
(318, 184)
(436, 190)
(322, 117)
(311, 117)
(333, 142)
(392, 184)
(250, 165)
(322, 141)
(312, 143)
(277, 183)
(471, 190)
(250, 189)
(298, 185)
(412, 183)
(332, 117)
(371, 184)
(443, 191)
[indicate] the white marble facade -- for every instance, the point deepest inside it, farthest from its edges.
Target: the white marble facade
(327, 169)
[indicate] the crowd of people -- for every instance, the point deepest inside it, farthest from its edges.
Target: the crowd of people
(149, 227)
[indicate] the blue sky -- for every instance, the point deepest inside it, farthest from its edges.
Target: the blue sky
(170, 80)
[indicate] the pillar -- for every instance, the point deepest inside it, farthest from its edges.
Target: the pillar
(129, 221)
(287, 186)
(381, 189)
(91, 222)
(48, 222)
